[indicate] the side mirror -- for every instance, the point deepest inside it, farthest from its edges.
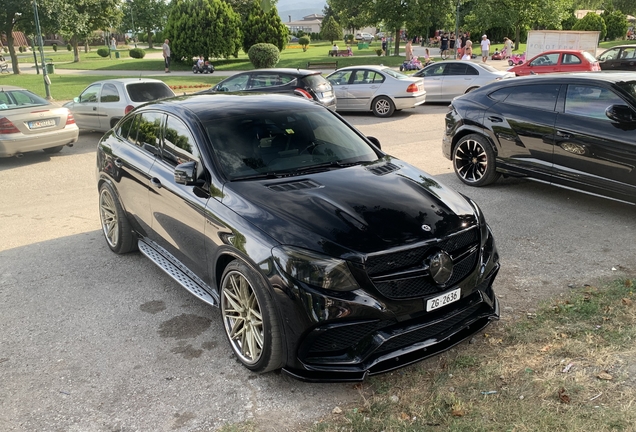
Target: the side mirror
(620, 113)
(75, 99)
(185, 173)
(375, 141)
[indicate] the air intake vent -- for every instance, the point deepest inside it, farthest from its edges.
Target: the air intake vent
(293, 186)
(383, 169)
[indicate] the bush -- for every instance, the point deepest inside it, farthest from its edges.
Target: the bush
(304, 41)
(263, 55)
(55, 47)
(69, 47)
(379, 52)
(22, 48)
(137, 53)
(102, 52)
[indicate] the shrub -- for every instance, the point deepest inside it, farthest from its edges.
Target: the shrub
(304, 41)
(379, 52)
(349, 38)
(102, 52)
(263, 55)
(137, 53)
(69, 47)
(55, 47)
(22, 48)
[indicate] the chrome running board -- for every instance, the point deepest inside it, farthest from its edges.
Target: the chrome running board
(177, 271)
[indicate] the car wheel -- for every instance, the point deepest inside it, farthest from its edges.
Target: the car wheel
(510, 63)
(474, 161)
(115, 225)
(383, 107)
(250, 321)
(52, 150)
(195, 70)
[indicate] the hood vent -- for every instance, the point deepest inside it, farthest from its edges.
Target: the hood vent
(383, 169)
(294, 185)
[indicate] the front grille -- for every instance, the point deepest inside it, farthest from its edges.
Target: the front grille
(422, 285)
(347, 336)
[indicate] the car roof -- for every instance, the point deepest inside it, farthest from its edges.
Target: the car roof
(622, 46)
(10, 87)
(128, 80)
(374, 67)
(561, 51)
(609, 76)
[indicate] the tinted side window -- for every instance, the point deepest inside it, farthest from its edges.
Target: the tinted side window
(178, 143)
(148, 131)
(109, 93)
(435, 70)
(590, 101)
(365, 77)
(609, 54)
(539, 96)
(500, 95)
(235, 83)
(260, 80)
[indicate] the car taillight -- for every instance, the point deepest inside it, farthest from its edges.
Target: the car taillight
(412, 88)
(70, 119)
(304, 93)
(6, 127)
(128, 109)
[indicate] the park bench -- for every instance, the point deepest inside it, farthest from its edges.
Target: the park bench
(317, 65)
(340, 53)
(4, 66)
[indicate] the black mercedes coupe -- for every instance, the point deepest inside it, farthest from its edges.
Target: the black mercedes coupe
(327, 257)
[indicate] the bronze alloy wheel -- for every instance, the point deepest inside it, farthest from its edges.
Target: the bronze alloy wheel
(109, 217)
(242, 317)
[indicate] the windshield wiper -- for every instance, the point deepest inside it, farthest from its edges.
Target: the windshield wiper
(323, 167)
(270, 175)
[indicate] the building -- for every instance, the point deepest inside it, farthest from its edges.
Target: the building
(309, 24)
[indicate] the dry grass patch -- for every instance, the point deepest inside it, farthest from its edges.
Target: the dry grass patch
(569, 367)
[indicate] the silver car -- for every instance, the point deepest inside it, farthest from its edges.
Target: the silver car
(100, 106)
(448, 79)
(376, 88)
(29, 123)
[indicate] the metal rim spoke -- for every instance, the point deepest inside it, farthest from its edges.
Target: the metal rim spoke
(108, 214)
(471, 161)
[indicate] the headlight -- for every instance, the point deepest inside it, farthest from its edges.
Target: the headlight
(314, 268)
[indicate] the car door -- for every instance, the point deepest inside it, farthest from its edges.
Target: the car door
(571, 62)
(627, 59)
(458, 77)
(340, 82)
(178, 211)
(85, 107)
(522, 124)
(433, 78)
(545, 63)
(364, 85)
(110, 106)
(591, 151)
(609, 60)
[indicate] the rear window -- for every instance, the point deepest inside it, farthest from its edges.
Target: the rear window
(317, 82)
(395, 74)
(589, 57)
(14, 99)
(148, 91)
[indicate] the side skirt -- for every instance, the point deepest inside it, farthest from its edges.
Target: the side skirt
(177, 271)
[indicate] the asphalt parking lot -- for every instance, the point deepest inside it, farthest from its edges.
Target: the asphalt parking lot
(92, 341)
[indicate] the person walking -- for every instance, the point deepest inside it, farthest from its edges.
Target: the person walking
(507, 48)
(408, 51)
(485, 48)
(443, 49)
(166, 55)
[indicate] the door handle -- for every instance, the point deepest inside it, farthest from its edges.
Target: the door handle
(495, 119)
(563, 134)
(118, 163)
(94, 108)
(374, 87)
(155, 182)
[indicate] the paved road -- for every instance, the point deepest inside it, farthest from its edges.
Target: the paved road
(92, 341)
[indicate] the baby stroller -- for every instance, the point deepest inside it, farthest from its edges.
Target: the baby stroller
(204, 69)
(517, 59)
(413, 64)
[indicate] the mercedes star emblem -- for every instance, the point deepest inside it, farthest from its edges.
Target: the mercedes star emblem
(441, 267)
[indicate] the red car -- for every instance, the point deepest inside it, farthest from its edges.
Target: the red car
(558, 61)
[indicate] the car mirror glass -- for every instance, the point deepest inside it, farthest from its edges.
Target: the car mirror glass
(185, 173)
(620, 113)
(76, 99)
(375, 141)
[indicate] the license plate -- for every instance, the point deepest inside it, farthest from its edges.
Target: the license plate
(443, 300)
(41, 123)
(327, 94)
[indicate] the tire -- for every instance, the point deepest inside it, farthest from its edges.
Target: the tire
(474, 161)
(52, 150)
(194, 70)
(247, 307)
(510, 63)
(383, 106)
(115, 225)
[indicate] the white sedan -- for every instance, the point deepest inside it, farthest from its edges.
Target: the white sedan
(376, 88)
(100, 106)
(446, 80)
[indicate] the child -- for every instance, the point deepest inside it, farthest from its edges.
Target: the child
(427, 57)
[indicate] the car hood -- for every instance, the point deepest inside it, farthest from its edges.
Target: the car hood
(358, 209)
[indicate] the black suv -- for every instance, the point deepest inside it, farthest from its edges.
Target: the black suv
(305, 83)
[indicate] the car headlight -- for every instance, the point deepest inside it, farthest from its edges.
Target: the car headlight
(314, 269)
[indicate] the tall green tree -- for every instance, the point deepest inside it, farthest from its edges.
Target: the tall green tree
(330, 30)
(264, 27)
(12, 14)
(616, 23)
(144, 16)
(592, 22)
(354, 14)
(203, 27)
(394, 14)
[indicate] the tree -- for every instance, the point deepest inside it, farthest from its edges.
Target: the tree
(616, 23)
(264, 27)
(11, 14)
(394, 14)
(592, 22)
(203, 27)
(330, 30)
(569, 21)
(354, 14)
(146, 15)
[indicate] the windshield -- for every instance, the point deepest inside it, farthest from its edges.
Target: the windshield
(13, 99)
(629, 87)
(281, 143)
(395, 74)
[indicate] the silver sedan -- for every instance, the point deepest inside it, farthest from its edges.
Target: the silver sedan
(29, 123)
(376, 88)
(448, 79)
(103, 103)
